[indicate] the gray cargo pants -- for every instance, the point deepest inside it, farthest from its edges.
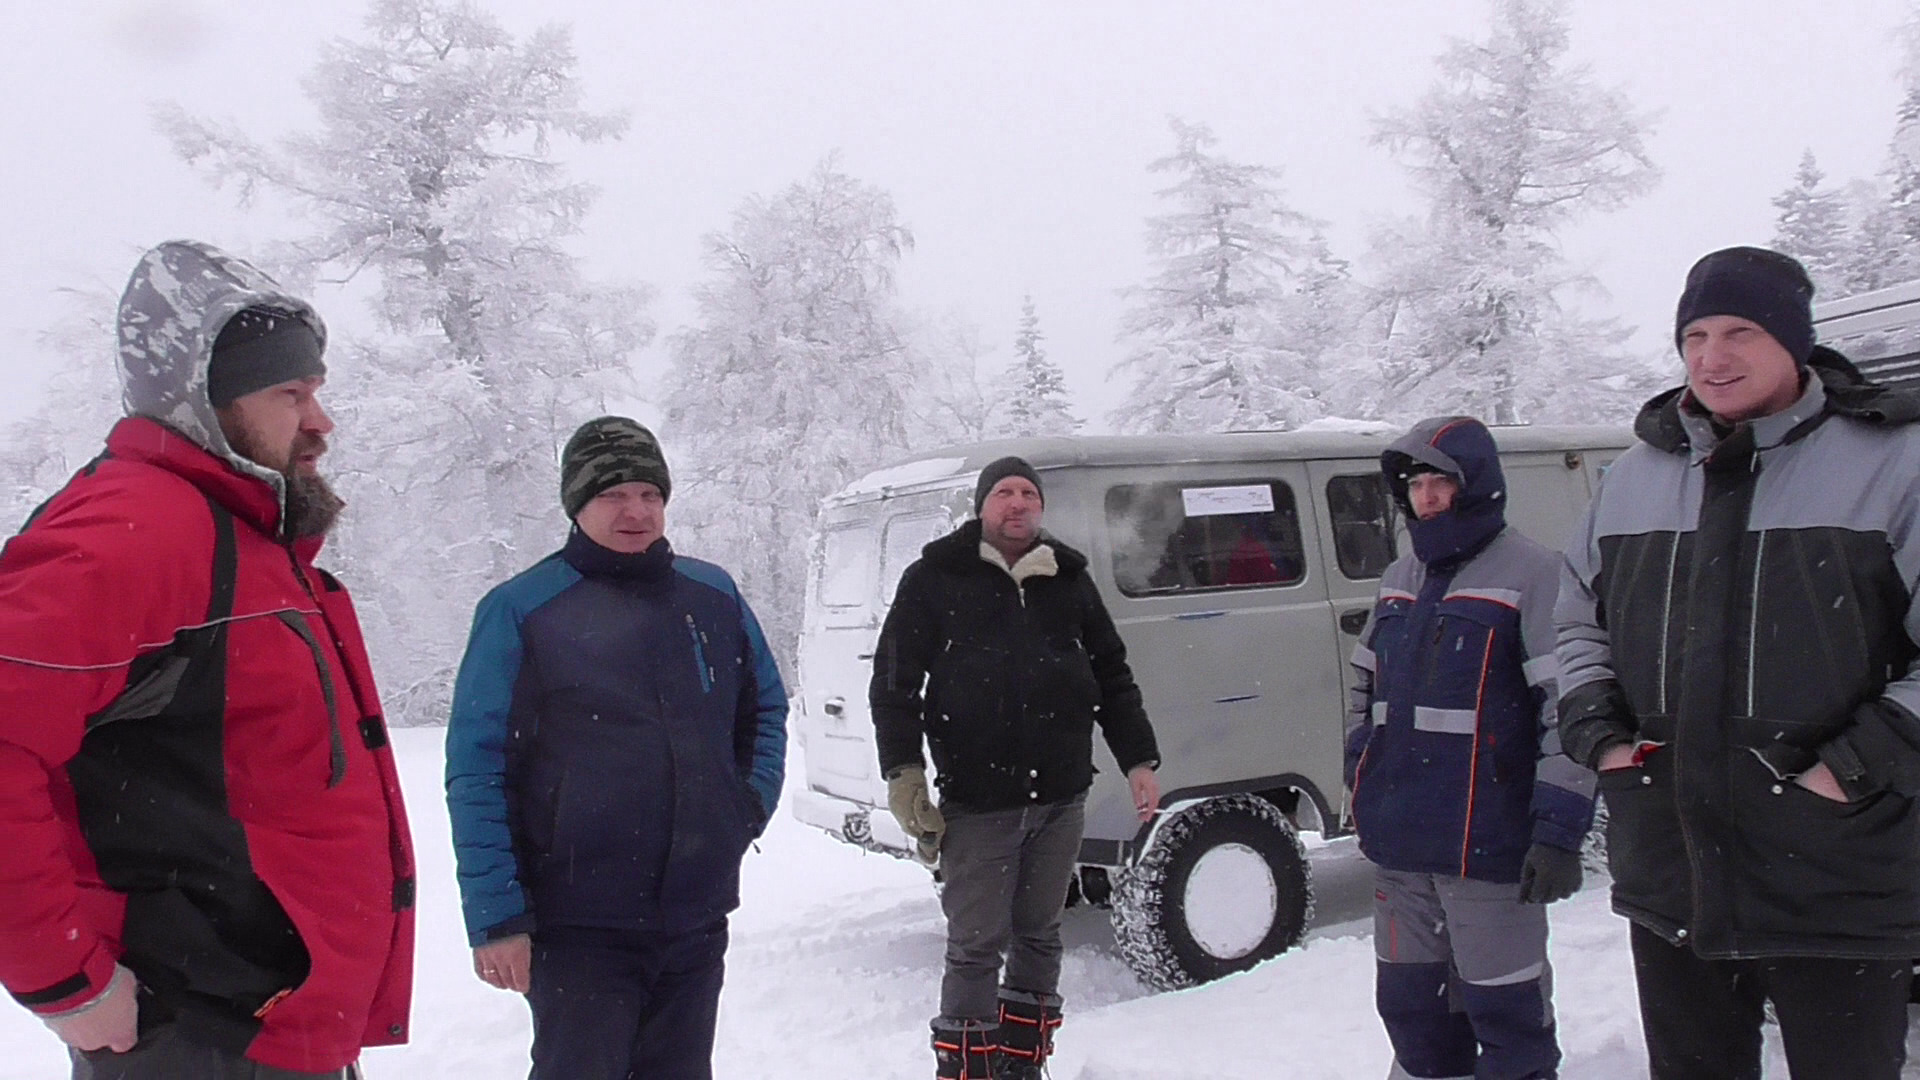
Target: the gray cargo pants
(1006, 874)
(1462, 980)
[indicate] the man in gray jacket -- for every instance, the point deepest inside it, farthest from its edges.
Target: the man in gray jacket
(1736, 636)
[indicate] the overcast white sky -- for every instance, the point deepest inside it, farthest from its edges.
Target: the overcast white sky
(1013, 135)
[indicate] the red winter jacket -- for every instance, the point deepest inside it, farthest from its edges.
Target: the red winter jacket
(242, 849)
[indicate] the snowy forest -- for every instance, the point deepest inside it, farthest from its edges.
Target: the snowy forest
(434, 184)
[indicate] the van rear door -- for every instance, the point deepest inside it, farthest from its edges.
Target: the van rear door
(865, 548)
(835, 653)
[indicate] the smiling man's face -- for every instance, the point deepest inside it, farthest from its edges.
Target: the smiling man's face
(1736, 369)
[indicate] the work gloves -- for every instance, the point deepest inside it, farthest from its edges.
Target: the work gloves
(1549, 874)
(913, 808)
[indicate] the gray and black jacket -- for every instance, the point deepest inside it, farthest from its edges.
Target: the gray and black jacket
(1739, 606)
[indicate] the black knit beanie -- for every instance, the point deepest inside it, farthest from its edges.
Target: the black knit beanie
(1000, 470)
(1764, 287)
(607, 451)
(261, 347)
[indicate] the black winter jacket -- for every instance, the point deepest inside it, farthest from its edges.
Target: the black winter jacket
(1004, 680)
(1740, 607)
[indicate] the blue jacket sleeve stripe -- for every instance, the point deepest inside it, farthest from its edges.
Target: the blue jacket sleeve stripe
(490, 889)
(770, 715)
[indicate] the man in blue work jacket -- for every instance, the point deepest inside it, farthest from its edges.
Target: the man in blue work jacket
(1470, 813)
(618, 738)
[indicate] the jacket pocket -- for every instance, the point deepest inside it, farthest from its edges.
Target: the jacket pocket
(1458, 653)
(198, 971)
(1822, 863)
(1068, 689)
(748, 800)
(1646, 851)
(966, 684)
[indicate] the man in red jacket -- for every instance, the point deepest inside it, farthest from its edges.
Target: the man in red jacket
(207, 868)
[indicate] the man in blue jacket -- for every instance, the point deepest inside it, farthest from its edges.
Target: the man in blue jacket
(618, 738)
(1461, 795)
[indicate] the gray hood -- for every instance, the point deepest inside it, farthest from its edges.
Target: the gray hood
(178, 298)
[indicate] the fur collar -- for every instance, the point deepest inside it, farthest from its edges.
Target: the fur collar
(1037, 562)
(960, 550)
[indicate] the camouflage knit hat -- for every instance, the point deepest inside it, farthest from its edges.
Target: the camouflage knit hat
(607, 451)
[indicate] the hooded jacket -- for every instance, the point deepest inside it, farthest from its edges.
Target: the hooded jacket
(194, 772)
(1739, 606)
(1452, 752)
(618, 738)
(1003, 672)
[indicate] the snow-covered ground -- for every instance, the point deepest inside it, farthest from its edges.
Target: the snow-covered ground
(835, 964)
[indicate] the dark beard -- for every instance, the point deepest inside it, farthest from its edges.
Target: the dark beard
(312, 507)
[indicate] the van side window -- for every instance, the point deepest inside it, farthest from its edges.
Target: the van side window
(1362, 512)
(847, 566)
(1176, 538)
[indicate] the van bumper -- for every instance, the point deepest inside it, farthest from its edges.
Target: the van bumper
(851, 822)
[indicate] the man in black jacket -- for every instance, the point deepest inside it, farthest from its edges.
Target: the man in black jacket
(1737, 636)
(999, 653)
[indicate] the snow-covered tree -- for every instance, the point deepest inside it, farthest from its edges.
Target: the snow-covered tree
(40, 452)
(1211, 351)
(1878, 253)
(1811, 225)
(949, 402)
(1030, 396)
(432, 173)
(1331, 322)
(1902, 170)
(1510, 145)
(794, 380)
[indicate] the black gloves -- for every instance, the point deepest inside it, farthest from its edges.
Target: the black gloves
(1549, 874)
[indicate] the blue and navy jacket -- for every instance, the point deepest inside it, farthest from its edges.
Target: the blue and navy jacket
(1453, 751)
(618, 738)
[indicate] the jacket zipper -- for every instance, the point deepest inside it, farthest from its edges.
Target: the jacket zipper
(1666, 617)
(1753, 623)
(700, 656)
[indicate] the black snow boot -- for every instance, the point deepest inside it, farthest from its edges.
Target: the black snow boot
(964, 1049)
(1027, 1024)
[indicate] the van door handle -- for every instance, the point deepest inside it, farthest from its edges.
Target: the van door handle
(1190, 616)
(834, 706)
(1355, 620)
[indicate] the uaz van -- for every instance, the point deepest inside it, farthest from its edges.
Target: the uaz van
(1239, 569)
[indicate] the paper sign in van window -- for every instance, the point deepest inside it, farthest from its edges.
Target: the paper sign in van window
(1239, 499)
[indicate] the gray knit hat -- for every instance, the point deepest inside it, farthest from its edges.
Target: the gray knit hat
(607, 451)
(999, 470)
